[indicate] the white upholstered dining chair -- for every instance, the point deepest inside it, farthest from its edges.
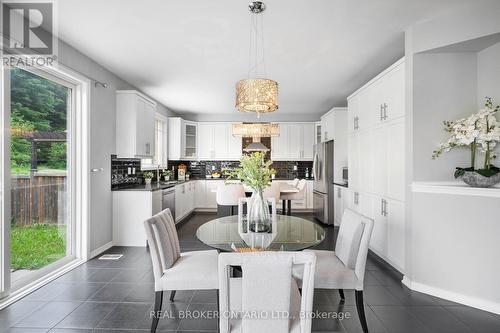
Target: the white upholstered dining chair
(172, 269)
(229, 194)
(266, 288)
(345, 268)
(300, 195)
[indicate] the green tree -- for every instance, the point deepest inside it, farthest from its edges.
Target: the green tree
(37, 105)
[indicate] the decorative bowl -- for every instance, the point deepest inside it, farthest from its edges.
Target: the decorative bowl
(474, 179)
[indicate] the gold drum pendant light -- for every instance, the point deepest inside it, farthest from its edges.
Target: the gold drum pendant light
(256, 94)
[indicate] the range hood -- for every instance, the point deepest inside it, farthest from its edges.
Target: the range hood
(256, 145)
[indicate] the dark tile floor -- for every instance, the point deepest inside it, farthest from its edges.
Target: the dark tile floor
(117, 296)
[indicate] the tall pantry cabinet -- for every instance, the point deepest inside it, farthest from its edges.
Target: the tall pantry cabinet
(376, 160)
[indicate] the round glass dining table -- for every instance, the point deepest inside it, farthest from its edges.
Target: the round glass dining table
(288, 233)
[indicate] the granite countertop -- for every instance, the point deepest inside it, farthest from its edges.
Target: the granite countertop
(154, 186)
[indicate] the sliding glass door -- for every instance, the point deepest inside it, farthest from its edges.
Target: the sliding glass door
(41, 228)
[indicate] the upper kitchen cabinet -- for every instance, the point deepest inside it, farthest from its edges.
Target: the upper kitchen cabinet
(182, 139)
(332, 122)
(295, 142)
(135, 114)
(216, 142)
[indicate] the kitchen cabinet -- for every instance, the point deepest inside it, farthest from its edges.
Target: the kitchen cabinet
(184, 200)
(135, 114)
(130, 210)
(376, 159)
(341, 202)
(295, 142)
(182, 139)
(328, 126)
(216, 142)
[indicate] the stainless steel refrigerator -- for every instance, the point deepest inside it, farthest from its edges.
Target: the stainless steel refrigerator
(323, 182)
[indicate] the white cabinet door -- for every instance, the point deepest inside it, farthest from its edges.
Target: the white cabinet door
(353, 161)
(199, 195)
(308, 137)
(352, 107)
(190, 133)
(279, 144)
(396, 233)
(234, 148)
(327, 127)
(365, 167)
(380, 160)
(396, 160)
(294, 141)
(211, 193)
(394, 89)
(149, 128)
(140, 136)
(378, 241)
(221, 136)
(205, 141)
(179, 202)
(338, 204)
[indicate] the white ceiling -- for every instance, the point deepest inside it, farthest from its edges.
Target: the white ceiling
(188, 55)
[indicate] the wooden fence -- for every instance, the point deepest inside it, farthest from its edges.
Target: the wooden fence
(40, 199)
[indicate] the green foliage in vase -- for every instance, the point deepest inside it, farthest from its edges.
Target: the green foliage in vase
(148, 175)
(253, 171)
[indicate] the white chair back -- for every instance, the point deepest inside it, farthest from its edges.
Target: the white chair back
(266, 287)
(272, 191)
(163, 242)
(229, 194)
(295, 182)
(353, 241)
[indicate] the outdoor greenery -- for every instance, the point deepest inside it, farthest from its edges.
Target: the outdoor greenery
(37, 105)
(37, 245)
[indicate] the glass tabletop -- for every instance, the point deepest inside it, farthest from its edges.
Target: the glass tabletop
(288, 233)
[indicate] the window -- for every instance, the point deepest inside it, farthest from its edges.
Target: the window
(160, 156)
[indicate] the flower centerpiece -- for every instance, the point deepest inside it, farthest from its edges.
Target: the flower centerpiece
(256, 173)
(480, 132)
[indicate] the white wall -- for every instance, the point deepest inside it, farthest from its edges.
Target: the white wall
(102, 119)
(451, 243)
(444, 88)
(237, 116)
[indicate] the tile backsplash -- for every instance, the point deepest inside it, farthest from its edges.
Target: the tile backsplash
(285, 169)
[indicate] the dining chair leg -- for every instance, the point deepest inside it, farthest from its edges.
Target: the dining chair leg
(342, 297)
(361, 310)
(289, 211)
(172, 295)
(283, 209)
(157, 312)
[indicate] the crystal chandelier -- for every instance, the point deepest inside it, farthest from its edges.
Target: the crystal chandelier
(256, 131)
(256, 94)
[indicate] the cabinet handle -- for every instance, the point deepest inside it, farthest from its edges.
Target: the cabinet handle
(147, 148)
(381, 112)
(385, 111)
(382, 207)
(338, 193)
(385, 208)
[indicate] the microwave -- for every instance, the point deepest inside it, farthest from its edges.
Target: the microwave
(345, 175)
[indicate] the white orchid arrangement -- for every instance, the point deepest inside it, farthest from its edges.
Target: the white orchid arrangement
(480, 132)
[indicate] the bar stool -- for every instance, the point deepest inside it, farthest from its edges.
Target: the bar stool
(229, 195)
(272, 192)
(300, 195)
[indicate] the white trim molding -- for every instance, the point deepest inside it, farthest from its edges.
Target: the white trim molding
(100, 250)
(452, 296)
(454, 188)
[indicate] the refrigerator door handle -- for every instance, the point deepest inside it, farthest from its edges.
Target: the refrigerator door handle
(315, 165)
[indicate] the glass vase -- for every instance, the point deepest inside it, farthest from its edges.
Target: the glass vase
(258, 217)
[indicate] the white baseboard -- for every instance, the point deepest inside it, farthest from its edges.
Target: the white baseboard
(453, 296)
(100, 250)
